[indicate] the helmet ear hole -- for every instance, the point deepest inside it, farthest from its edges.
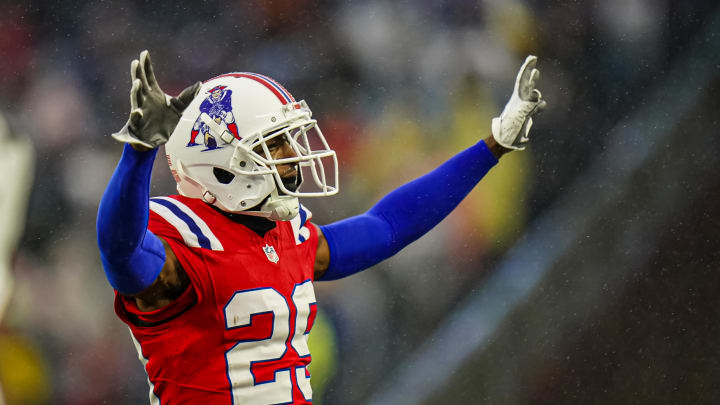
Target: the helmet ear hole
(222, 175)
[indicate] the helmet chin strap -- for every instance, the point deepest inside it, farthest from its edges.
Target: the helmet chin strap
(275, 208)
(280, 207)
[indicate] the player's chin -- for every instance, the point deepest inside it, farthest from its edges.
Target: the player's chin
(290, 182)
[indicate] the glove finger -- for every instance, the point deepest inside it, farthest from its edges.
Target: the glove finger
(141, 72)
(537, 98)
(147, 67)
(528, 65)
(133, 69)
(541, 106)
(185, 97)
(135, 74)
(136, 99)
(534, 76)
(524, 74)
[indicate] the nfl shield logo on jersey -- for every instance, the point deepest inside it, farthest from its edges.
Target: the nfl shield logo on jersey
(271, 253)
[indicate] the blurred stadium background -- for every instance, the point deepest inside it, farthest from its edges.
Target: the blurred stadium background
(584, 270)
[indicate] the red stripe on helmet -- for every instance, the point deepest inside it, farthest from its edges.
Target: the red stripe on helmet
(260, 80)
(285, 92)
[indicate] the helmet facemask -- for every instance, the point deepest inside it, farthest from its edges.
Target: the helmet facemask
(254, 158)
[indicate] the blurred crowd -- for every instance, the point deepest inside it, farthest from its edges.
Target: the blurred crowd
(396, 86)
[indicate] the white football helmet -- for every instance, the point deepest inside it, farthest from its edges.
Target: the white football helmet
(218, 152)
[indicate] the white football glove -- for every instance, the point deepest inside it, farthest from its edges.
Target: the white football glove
(512, 127)
(153, 114)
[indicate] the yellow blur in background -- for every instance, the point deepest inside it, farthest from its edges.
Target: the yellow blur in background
(24, 375)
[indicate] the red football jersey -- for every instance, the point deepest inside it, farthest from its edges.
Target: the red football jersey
(238, 335)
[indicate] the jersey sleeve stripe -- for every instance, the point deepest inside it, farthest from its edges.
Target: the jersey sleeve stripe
(194, 230)
(204, 228)
(299, 225)
(188, 236)
(303, 218)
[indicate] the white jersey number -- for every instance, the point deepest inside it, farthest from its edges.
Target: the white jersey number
(238, 313)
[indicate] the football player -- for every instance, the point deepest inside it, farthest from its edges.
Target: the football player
(216, 283)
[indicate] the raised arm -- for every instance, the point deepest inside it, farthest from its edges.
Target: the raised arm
(136, 261)
(410, 211)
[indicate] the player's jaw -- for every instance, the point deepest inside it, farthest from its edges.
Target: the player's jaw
(289, 175)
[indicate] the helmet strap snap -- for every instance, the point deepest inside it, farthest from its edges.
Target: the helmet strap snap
(208, 197)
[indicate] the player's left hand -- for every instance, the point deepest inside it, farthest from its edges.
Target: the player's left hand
(512, 128)
(153, 114)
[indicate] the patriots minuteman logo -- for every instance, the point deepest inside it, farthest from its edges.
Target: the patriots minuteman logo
(271, 253)
(217, 107)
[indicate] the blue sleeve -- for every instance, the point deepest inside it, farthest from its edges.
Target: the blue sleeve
(405, 214)
(131, 255)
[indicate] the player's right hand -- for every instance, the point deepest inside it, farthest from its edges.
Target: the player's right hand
(512, 128)
(153, 114)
